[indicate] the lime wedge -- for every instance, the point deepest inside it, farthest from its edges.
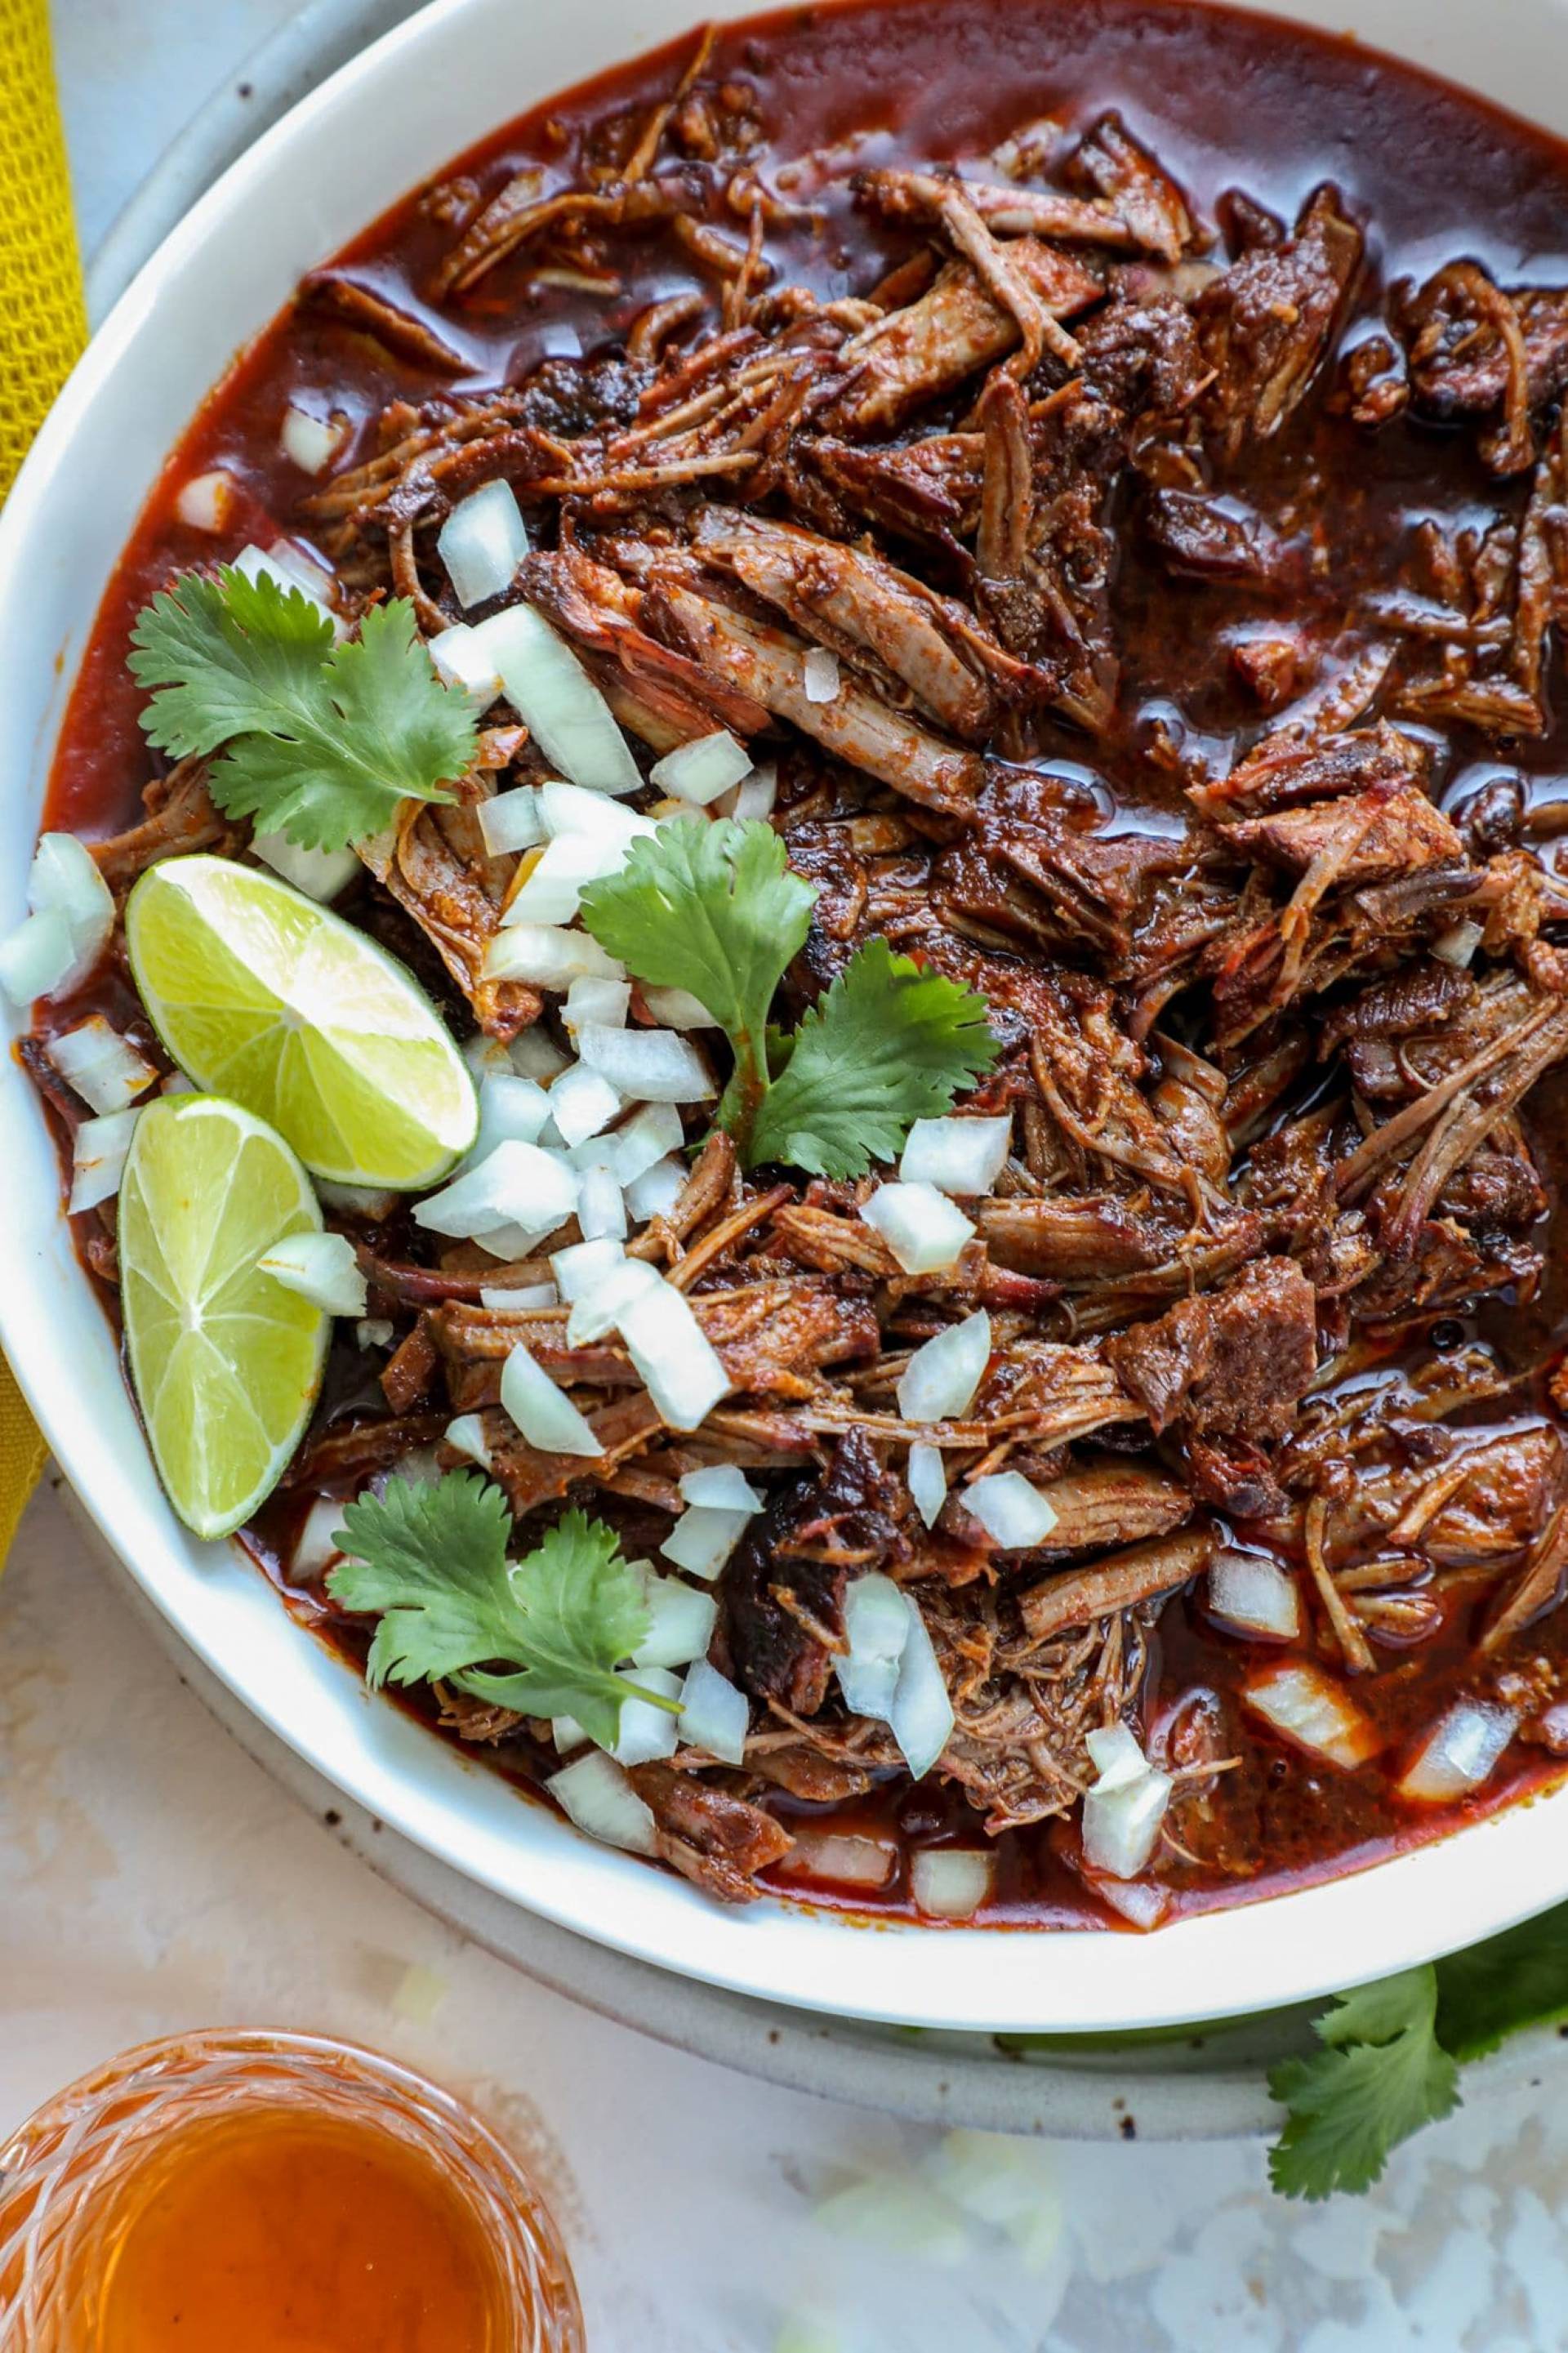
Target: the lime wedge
(226, 1361)
(260, 994)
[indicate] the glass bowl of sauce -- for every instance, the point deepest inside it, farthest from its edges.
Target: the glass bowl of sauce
(272, 2194)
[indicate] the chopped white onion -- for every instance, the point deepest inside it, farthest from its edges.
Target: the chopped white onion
(921, 1718)
(207, 502)
(583, 1103)
(512, 1243)
(375, 1332)
(599, 1309)
(648, 1733)
(552, 889)
(557, 700)
(650, 1134)
(920, 1226)
(175, 1082)
(607, 1002)
(842, 1858)
(511, 821)
(675, 1360)
(601, 1206)
(755, 795)
(320, 874)
(1011, 1509)
(1141, 1902)
(1121, 1823)
(1459, 1753)
(656, 1192)
(723, 1487)
(821, 675)
(701, 771)
(677, 1008)
(567, 1734)
(1253, 1595)
(950, 1883)
(1117, 1759)
(877, 1625)
(1311, 1711)
(511, 1299)
(646, 1065)
(547, 956)
(517, 1183)
(97, 1159)
(292, 570)
(1458, 944)
(702, 1539)
(511, 1111)
(956, 1156)
(595, 1793)
(583, 1266)
(104, 1068)
(315, 1546)
(927, 1481)
(680, 1622)
(484, 1055)
(939, 1382)
(321, 1268)
(544, 1413)
(69, 926)
(714, 1714)
(572, 809)
(462, 662)
(482, 544)
(36, 959)
(534, 1055)
(310, 442)
(466, 1436)
(64, 881)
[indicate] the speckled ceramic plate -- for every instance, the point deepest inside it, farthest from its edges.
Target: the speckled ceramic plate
(316, 40)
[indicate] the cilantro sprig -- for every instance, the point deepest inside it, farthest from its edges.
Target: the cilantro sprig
(715, 909)
(543, 1635)
(1381, 2074)
(320, 741)
(1393, 2051)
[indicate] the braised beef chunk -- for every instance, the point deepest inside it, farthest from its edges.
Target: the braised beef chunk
(1235, 1362)
(784, 1590)
(1121, 571)
(711, 1836)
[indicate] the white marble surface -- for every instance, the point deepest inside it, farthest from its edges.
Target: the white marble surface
(153, 1878)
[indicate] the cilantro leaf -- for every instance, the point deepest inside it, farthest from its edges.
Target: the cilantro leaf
(323, 740)
(1493, 1990)
(543, 1636)
(1381, 2075)
(887, 1045)
(715, 909)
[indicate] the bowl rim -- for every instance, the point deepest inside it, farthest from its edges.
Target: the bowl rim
(210, 287)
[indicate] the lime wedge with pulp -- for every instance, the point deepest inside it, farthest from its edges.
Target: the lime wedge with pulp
(260, 994)
(226, 1361)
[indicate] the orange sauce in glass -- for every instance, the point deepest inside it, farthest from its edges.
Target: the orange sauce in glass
(282, 2232)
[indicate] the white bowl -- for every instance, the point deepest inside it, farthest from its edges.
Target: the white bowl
(461, 68)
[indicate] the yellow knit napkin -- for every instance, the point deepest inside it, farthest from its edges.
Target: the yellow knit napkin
(43, 325)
